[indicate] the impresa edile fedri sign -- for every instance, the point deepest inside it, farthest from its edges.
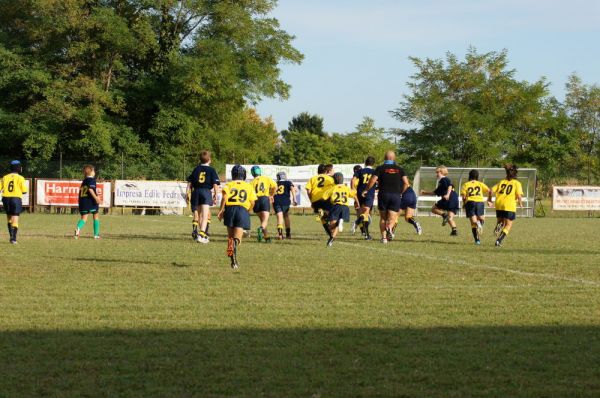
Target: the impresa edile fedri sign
(66, 192)
(150, 193)
(575, 198)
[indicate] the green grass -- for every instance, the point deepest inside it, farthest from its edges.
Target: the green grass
(147, 312)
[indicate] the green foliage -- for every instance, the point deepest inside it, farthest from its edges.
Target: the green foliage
(144, 79)
(306, 122)
(366, 140)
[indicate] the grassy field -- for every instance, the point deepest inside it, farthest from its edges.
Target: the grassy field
(147, 312)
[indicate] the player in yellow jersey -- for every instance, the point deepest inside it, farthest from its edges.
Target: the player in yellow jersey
(339, 197)
(13, 187)
(238, 199)
(315, 187)
(265, 189)
(473, 193)
(508, 193)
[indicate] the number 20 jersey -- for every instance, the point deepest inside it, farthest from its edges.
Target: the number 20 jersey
(506, 194)
(239, 193)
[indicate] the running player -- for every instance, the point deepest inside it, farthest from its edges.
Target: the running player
(448, 205)
(13, 187)
(265, 188)
(202, 186)
(339, 197)
(365, 202)
(408, 205)
(238, 198)
(508, 193)
(353, 184)
(284, 197)
(473, 193)
(89, 202)
(315, 187)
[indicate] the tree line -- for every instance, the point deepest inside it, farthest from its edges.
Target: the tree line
(155, 81)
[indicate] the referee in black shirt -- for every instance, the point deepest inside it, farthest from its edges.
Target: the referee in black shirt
(392, 183)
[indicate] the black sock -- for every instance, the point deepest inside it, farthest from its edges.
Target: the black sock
(288, 232)
(195, 227)
(327, 230)
(366, 227)
(207, 225)
(14, 233)
(9, 225)
(482, 222)
(474, 230)
(501, 237)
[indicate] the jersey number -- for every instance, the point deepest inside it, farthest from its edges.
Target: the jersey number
(366, 178)
(472, 191)
(340, 197)
(202, 177)
(320, 182)
(508, 188)
(11, 186)
(260, 187)
(238, 196)
(280, 190)
(84, 192)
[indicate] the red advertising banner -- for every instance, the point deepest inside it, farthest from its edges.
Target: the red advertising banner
(66, 192)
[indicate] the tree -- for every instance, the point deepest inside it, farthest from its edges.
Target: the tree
(367, 139)
(306, 122)
(467, 111)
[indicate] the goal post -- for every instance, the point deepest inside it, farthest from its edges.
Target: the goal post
(425, 179)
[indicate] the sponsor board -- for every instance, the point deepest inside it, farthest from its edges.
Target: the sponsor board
(150, 193)
(575, 198)
(66, 192)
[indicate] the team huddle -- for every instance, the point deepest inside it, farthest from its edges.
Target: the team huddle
(331, 200)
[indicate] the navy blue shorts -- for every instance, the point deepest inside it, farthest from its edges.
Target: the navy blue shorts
(200, 197)
(12, 206)
(449, 205)
(236, 217)
(391, 201)
(88, 205)
(339, 212)
(279, 208)
(366, 201)
(475, 209)
(509, 215)
(263, 203)
(409, 200)
(321, 205)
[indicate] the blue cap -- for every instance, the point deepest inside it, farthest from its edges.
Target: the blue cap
(15, 163)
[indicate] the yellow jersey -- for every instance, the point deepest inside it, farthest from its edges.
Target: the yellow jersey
(506, 194)
(474, 191)
(339, 194)
(317, 185)
(239, 193)
(13, 186)
(263, 186)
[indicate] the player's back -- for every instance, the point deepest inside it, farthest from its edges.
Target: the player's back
(262, 185)
(474, 191)
(317, 186)
(506, 194)
(13, 186)
(364, 176)
(239, 193)
(282, 194)
(203, 177)
(340, 194)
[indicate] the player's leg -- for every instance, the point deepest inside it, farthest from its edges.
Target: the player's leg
(96, 217)
(80, 224)
(452, 223)
(391, 223)
(383, 215)
(195, 223)
(280, 221)
(203, 223)
(474, 228)
(288, 224)
(263, 216)
(366, 221)
(409, 217)
(507, 225)
(14, 221)
(9, 224)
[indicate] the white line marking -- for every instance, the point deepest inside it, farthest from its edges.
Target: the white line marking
(480, 266)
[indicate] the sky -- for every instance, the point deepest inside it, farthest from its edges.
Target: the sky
(356, 51)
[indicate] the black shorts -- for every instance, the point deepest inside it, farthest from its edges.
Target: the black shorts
(475, 209)
(366, 201)
(12, 206)
(201, 197)
(339, 212)
(236, 217)
(88, 205)
(509, 215)
(321, 205)
(391, 201)
(409, 200)
(263, 203)
(279, 208)
(449, 205)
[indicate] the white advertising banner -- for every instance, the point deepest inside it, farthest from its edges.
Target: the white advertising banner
(66, 192)
(150, 193)
(26, 200)
(299, 175)
(575, 198)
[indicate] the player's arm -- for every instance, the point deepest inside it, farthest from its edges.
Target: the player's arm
(406, 183)
(353, 182)
(1, 184)
(371, 184)
(272, 190)
(490, 193)
(92, 192)
(223, 201)
(293, 192)
(188, 192)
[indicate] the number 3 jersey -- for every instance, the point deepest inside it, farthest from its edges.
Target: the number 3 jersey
(13, 186)
(474, 191)
(239, 193)
(506, 194)
(339, 195)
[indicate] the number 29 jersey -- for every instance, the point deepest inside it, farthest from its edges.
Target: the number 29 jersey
(239, 193)
(506, 194)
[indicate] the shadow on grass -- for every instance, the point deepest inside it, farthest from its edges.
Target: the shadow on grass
(491, 361)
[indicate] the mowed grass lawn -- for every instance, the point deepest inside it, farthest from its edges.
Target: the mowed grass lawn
(147, 312)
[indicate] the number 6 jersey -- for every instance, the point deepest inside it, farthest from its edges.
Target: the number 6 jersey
(506, 194)
(13, 186)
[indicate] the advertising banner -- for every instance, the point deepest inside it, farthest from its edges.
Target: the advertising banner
(26, 201)
(150, 193)
(575, 198)
(299, 175)
(66, 192)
